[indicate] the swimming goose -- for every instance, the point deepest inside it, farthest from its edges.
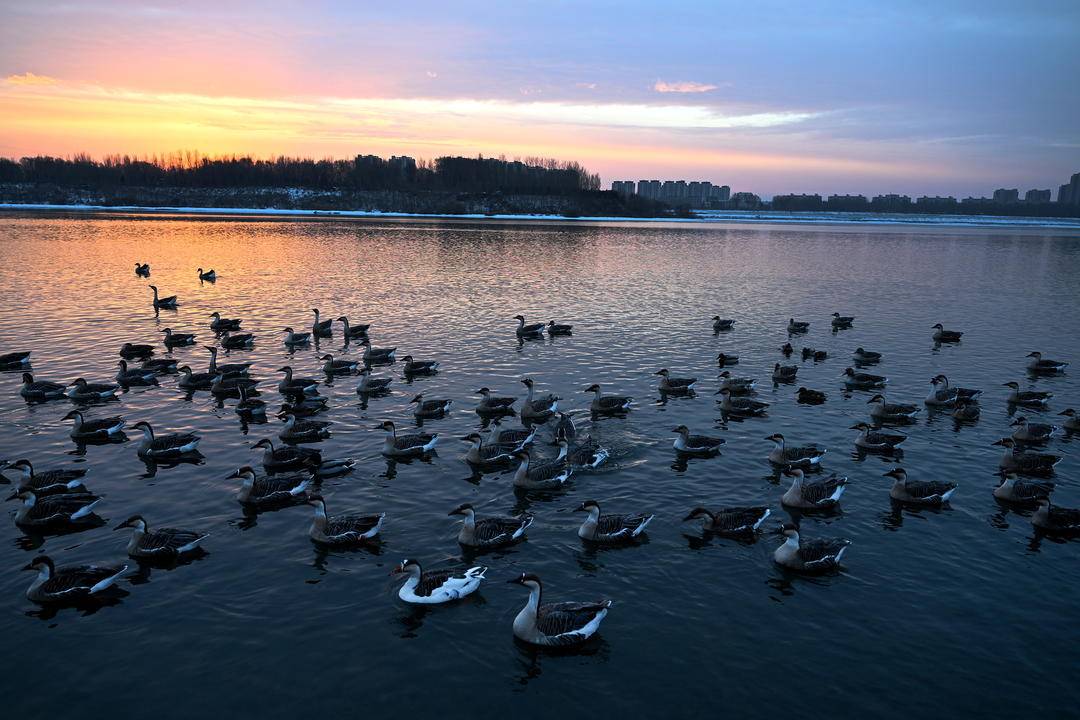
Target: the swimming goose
(542, 476)
(1044, 367)
(133, 351)
(863, 381)
(69, 583)
(218, 323)
(486, 457)
(370, 385)
(941, 335)
(293, 338)
(587, 454)
(564, 427)
(82, 391)
(160, 366)
(674, 386)
(430, 409)
(290, 385)
(134, 376)
(208, 276)
(1023, 492)
(537, 409)
(610, 528)
(809, 556)
(698, 445)
(737, 385)
(142, 270)
(919, 492)
(1027, 398)
(493, 405)
(342, 530)
(302, 431)
(321, 328)
(177, 339)
(413, 445)
(250, 406)
(489, 532)
(1026, 462)
(719, 323)
(1055, 519)
(809, 353)
(288, 458)
(12, 360)
(163, 543)
(270, 490)
(305, 406)
(533, 330)
(165, 446)
(730, 521)
(49, 482)
(437, 586)
(875, 440)
(966, 412)
(787, 349)
(56, 509)
(231, 386)
(797, 327)
(556, 624)
(40, 389)
(607, 404)
(865, 357)
(806, 396)
(554, 328)
(167, 303)
(890, 412)
(793, 457)
(419, 367)
(96, 428)
(1031, 433)
(377, 356)
(338, 367)
(740, 406)
(784, 373)
(1072, 422)
(840, 322)
(725, 360)
(946, 396)
(195, 381)
(805, 494)
(239, 341)
(225, 368)
(353, 332)
(512, 438)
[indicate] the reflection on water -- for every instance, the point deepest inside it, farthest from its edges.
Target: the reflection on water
(689, 608)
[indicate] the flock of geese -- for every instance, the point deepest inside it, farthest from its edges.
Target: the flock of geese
(292, 470)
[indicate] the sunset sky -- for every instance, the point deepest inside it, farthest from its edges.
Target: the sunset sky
(939, 98)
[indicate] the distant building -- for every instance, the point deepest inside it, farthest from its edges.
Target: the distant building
(1002, 195)
(797, 202)
(890, 203)
(719, 194)
(848, 203)
(936, 204)
(649, 189)
(623, 187)
(1069, 194)
(1037, 196)
(745, 201)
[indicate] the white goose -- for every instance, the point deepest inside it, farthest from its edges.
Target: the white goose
(437, 586)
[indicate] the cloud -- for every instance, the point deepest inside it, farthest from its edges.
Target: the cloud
(586, 85)
(432, 74)
(29, 78)
(683, 86)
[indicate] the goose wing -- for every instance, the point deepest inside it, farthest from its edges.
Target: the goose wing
(346, 525)
(168, 539)
(1036, 461)
(407, 442)
(821, 552)
(613, 402)
(52, 478)
(546, 471)
(272, 487)
(681, 382)
(619, 525)
(704, 441)
(925, 489)
(806, 452)
(78, 579)
(58, 507)
(1031, 490)
(172, 442)
(884, 438)
(820, 491)
(1064, 517)
(738, 519)
(499, 529)
(563, 621)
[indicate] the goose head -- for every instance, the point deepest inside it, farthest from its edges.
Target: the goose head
(716, 318)
(472, 438)
(343, 319)
(589, 506)
(592, 388)
(795, 474)
(1020, 421)
(74, 415)
(937, 326)
(681, 429)
(1035, 354)
(1014, 385)
(520, 317)
(135, 521)
(216, 315)
(484, 392)
(145, 427)
(41, 564)
(528, 580)
(245, 471)
(28, 379)
(407, 358)
(849, 372)
(879, 398)
(698, 513)
(386, 425)
(790, 531)
(465, 510)
(1005, 443)
(27, 496)
(861, 426)
(898, 474)
(663, 373)
(776, 438)
(527, 382)
(265, 443)
(407, 567)
(317, 502)
(417, 398)
(1068, 412)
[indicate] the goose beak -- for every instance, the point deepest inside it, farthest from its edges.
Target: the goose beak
(12, 496)
(27, 566)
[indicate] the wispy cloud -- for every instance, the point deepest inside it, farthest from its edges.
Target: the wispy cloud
(683, 86)
(29, 78)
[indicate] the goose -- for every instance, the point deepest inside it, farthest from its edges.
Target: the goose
(218, 323)
(941, 335)
(302, 431)
(174, 339)
(610, 528)
(40, 389)
(195, 381)
(437, 586)
(250, 406)
(142, 270)
(239, 341)
(862, 381)
(533, 330)
(163, 543)
(806, 396)
(429, 409)
(134, 376)
(353, 332)
(134, 351)
(565, 427)
(819, 555)
(321, 328)
(553, 328)
(12, 360)
(1055, 519)
(370, 385)
(225, 368)
(49, 482)
(966, 412)
(404, 446)
(230, 386)
(486, 457)
(730, 521)
(784, 373)
(305, 406)
(542, 476)
(1022, 492)
(919, 492)
(809, 353)
(865, 357)
(56, 509)
(698, 445)
(160, 366)
(719, 324)
(338, 367)
(292, 457)
(419, 367)
(1027, 398)
(793, 457)
(342, 530)
(208, 276)
(69, 583)
(537, 409)
(674, 386)
(587, 454)
(290, 385)
(374, 355)
(270, 490)
(166, 446)
(740, 406)
(797, 327)
(875, 440)
(1025, 462)
(1072, 421)
(787, 349)
(1030, 433)
(493, 405)
(946, 396)
(1038, 365)
(167, 303)
(890, 412)
(94, 429)
(513, 438)
(82, 391)
(608, 404)
(823, 494)
(841, 322)
(556, 624)
(737, 385)
(293, 338)
(489, 532)
(725, 360)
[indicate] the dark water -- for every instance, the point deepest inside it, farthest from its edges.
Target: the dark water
(937, 613)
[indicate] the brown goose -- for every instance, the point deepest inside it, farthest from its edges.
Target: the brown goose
(556, 624)
(730, 521)
(820, 555)
(69, 583)
(492, 531)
